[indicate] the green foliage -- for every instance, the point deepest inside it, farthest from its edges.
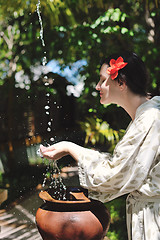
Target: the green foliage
(75, 30)
(99, 132)
(1, 177)
(117, 208)
(112, 235)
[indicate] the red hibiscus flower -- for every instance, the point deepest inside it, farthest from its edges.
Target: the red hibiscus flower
(115, 65)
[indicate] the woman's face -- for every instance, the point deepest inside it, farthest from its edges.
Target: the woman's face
(108, 88)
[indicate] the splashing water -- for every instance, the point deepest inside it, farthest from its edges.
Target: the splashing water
(53, 175)
(58, 189)
(57, 184)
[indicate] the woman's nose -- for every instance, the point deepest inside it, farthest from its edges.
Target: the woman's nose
(98, 86)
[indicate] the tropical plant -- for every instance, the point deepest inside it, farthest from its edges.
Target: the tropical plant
(98, 131)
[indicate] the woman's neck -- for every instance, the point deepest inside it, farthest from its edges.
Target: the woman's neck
(132, 102)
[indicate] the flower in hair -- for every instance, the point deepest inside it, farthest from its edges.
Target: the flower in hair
(115, 65)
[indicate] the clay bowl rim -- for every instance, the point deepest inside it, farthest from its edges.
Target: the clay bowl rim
(82, 199)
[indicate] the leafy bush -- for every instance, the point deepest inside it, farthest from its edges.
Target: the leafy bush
(117, 208)
(99, 132)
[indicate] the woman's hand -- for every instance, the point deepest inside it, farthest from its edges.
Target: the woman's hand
(61, 149)
(56, 151)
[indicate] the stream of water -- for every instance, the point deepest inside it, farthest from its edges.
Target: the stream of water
(56, 186)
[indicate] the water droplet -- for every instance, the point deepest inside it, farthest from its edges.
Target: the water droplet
(44, 61)
(47, 107)
(47, 113)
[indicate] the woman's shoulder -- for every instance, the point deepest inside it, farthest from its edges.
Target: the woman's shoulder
(149, 112)
(150, 108)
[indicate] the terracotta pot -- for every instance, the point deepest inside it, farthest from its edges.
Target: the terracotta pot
(77, 219)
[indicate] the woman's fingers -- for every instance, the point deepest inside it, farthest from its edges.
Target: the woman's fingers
(53, 152)
(47, 153)
(50, 155)
(44, 149)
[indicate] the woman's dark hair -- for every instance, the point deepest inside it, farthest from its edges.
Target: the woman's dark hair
(134, 74)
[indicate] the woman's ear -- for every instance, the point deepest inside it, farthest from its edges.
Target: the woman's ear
(122, 84)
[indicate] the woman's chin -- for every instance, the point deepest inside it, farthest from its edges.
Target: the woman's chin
(101, 101)
(104, 102)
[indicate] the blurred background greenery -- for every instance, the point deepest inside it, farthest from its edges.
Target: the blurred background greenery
(47, 89)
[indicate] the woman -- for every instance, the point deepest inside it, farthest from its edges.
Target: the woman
(134, 167)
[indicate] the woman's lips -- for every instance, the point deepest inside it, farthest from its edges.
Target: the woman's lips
(100, 94)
